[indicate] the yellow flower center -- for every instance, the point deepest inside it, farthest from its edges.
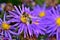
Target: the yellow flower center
(26, 18)
(5, 26)
(58, 21)
(41, 14)
(23, 19)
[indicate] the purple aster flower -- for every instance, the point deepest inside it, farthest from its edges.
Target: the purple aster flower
(6, 29)
(54, 26)
(26, 22)
(39, 11)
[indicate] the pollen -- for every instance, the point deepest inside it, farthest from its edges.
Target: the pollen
(23, 19)
(41, 14)
(5, 26)
(58, 21)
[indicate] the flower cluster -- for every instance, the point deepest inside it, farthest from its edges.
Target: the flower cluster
(39, 21)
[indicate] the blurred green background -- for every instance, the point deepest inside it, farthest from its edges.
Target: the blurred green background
(17, 2)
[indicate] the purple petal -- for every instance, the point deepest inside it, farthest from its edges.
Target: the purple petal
(51, 26)
(52, 32)
(44, 6)
(19, 7)
(9, 16)
(6, 35)
(25, 32)
(21, 27)
(57, 36)
(10, 38)
(42, 27)
(13, 32)
(17, 10)
(23, 9)
(30, 30)
(14, 14)
(58, 33)
(48, 31)
(57, 13)
(12, 27)
(12, 20)
(54, 11)
(50, 13)
(42, 32)
(16, 24)
(37, 34)
(4, 19)
(0, 20)
(2, 33)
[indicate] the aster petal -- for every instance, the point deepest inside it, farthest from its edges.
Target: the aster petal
(27, 10)
(4, 19)
(6, 35)
(10, 38)
(23, 8)
(52, 32)
(12, 27)
(58, 7)
(57, 38)
(25, 32)
(2, 33)
(57, 12)
(17, 10)
(9, 16)
(51, 26)
(30, 30)
(42, 32)
(33, 27)
(41, 27)
(20, 10)
(58, 33)
(12, 20)
(48, 31)
(53, 29)
(51, 13)
(0, 21)
(46, 22)
(16, 24)
(13, 32)
(12, 13)
(21, 27)
(44, 6)
(54, 11)
(19, 7)
(35, 12)
(35, 32)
